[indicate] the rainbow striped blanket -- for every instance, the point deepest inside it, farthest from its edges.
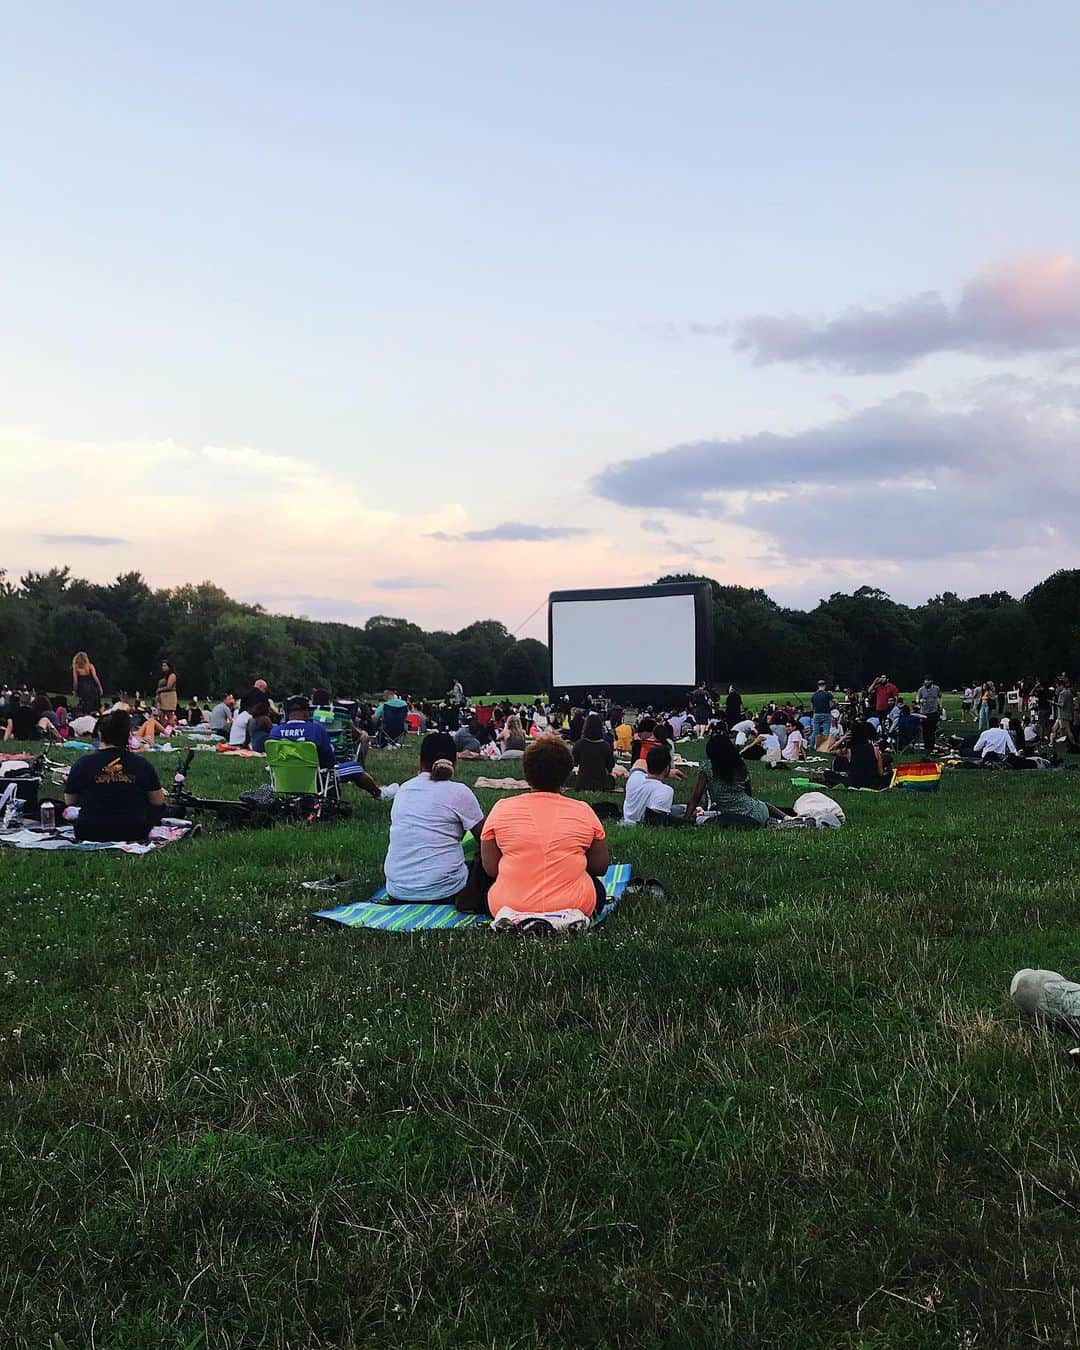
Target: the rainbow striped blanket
(922, 777)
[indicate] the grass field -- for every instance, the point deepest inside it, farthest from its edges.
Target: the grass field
(789, 1105)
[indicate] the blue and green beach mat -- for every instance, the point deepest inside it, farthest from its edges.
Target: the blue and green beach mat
(389, 917)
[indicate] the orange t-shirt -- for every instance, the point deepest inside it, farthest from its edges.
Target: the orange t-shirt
(543, 838)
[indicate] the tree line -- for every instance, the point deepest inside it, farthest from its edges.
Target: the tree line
(218, 644)
(848, 639)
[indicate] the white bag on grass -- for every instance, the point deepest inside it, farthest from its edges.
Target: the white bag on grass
(820, 806)
(1047, 994)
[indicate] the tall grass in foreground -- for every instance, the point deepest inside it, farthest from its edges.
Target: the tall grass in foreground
(790, 1105)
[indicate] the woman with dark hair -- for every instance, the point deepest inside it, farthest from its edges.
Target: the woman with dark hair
(543, 850)
(430, 816)
(594, 758)
(117, 792)
(861, 764)
(36, 722)
(260, 727)
(726, 779)
(165, 697)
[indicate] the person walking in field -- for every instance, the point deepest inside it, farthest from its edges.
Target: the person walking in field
(85, 685)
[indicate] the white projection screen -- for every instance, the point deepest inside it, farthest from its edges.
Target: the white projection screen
(634, 638)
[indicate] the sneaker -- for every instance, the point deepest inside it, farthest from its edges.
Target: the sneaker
(335, 882)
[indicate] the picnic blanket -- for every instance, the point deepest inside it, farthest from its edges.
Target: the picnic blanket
(238, 750)
(62, 839)
(502, 784)
(382, 913)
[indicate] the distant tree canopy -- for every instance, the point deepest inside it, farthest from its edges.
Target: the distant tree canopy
(848, 639)
(217, 643)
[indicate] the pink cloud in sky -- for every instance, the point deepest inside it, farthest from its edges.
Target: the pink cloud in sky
(1027, 305)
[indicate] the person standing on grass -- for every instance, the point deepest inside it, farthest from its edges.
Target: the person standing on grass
(85, 685)
(822, 703)
(987, 699)
(929, 701)
(1063, 706)
(165, 697)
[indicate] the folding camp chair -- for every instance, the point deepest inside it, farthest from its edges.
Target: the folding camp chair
(295, 771)
(391, 732)
(336, 728)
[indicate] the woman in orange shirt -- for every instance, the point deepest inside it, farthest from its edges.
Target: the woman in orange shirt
(543, 850)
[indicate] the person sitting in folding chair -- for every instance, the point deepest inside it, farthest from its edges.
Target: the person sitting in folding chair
(298, 726)
(390, 722)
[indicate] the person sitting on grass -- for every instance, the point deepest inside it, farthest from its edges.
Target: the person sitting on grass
(117, 792)
(996, 743)
(146, 733)
(34, 723)
(511, 739)
(543, 850)
(259, 727)
(429, 817)
(725, 777)
(795, 745)
(594, 758)
(649, 795)
(861, 764)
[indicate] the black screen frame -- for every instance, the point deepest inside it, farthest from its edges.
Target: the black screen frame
(630, 693)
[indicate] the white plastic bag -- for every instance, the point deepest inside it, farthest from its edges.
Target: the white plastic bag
(821, 807)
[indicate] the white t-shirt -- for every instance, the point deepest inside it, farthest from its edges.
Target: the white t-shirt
(427, 823)
(675, 722)
(995, 739)
(238, 733)
(744, 727)
(794, 745)
(645, 794)
(84, 726)
(771, 744)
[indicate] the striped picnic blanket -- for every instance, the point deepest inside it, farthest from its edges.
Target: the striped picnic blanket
(389, 917)
(922, 777)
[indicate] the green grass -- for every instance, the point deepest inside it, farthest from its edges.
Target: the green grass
(790, 1105)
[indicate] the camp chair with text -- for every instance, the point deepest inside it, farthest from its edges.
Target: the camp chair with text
(295, 771)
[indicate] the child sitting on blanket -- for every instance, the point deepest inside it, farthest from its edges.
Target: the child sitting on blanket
(117, 792)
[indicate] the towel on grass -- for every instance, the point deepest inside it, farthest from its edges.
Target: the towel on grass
(502, 784)
(384, 914)
(922, 777)
(62, 839)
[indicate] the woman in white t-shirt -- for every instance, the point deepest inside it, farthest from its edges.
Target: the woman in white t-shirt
(430, 816)
(238, 732)
(795, 746)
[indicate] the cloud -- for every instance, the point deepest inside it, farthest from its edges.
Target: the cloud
(82, 540)
(655, 527)
(407, 584)
(512, 531)
(905, 479)
(1027, 305)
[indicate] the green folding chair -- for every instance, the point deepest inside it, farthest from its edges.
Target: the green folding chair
(294, 770)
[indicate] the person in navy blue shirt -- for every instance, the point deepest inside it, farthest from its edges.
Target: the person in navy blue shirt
(298, 727)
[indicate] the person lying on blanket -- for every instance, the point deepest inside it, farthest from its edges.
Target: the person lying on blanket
(542, 850)
(117, 792)
(430, 816)
(725, 777)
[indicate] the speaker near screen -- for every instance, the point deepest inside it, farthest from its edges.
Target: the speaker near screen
(630, 641)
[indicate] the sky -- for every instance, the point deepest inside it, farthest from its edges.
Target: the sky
(428, 310)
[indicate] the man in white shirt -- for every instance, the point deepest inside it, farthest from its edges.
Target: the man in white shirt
(741, 730)
(995, 741)
(647, 789)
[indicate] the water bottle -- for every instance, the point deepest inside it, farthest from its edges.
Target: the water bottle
(48, 816)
